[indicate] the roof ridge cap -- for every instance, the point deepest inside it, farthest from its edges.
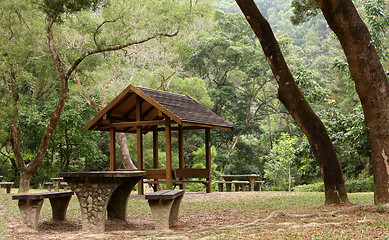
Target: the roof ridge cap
(163, 91)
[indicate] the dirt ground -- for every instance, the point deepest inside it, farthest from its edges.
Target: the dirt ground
(190, 226)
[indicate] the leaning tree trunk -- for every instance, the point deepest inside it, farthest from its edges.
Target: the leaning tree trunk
(124, 152)
(292, 98)
(370, 82)
(27, 170)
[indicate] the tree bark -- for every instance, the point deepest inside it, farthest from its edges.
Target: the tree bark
(370, 81)
(294, 101)
(124, 152)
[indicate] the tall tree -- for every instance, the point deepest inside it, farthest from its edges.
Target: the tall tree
(107, 30)
(367, 72)
(370, 81)
(294, 101)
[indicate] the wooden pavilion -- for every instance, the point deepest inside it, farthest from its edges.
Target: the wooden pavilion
(142, 110)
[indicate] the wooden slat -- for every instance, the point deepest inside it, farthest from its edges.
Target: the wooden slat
(155, 174)
(192, 173)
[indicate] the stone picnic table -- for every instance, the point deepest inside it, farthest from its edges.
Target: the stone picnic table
(102, 193)
(250, 177)
(57, 182)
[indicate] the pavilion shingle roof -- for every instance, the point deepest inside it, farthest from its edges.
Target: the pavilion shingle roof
(156, 105)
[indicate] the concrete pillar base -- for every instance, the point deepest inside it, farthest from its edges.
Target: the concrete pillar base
(29, 211)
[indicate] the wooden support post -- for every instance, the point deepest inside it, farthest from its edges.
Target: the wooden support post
(181, 160)
(155, 147)
(155, 154)
(208, 156)
(139, 142)
(168, 140)
(112, 150)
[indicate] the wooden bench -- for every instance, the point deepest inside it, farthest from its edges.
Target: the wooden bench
(258, 185)
(240, 185)
(221, 183)
(8, 186)
(30, 206)
(179, 176)
(164, 206)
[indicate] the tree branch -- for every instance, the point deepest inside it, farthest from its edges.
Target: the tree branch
(98, 28)
(115, 48)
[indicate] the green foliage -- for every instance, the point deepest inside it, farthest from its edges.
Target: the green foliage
(308, 169)
(280, 162)
(309, 86)
(304, 10)
(348, 133)
(360, 185)
(378, 21)
(352, 186)
(313, 187)
(56, 8)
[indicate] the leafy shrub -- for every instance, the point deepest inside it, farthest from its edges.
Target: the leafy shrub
(352, 186)
(360, 185)
(314, 187)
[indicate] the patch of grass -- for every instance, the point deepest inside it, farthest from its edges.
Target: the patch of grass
(231, 219)
(361, 198)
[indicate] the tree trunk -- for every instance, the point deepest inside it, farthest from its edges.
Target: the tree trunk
(292, 98)
(290, 178)
(25, 178)
(370, 81)
(270, 133)
(124, 152)
(234, 144)
(26, 171)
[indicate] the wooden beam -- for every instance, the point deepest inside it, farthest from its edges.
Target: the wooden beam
(114, 103)
(208, 156)
(112, 150)
(139, 142)
(169, 165)
(157, 105)
(181, 160)
(206, 125)
(140, 123)
(208, 148)
(155, 148)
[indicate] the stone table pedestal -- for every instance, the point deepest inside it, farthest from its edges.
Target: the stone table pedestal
(102, 193)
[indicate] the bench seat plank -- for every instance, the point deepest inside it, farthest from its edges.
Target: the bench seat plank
(38, 196)
(164, 194)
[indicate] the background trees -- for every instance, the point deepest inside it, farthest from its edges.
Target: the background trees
(74, 35)
(214, 58)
